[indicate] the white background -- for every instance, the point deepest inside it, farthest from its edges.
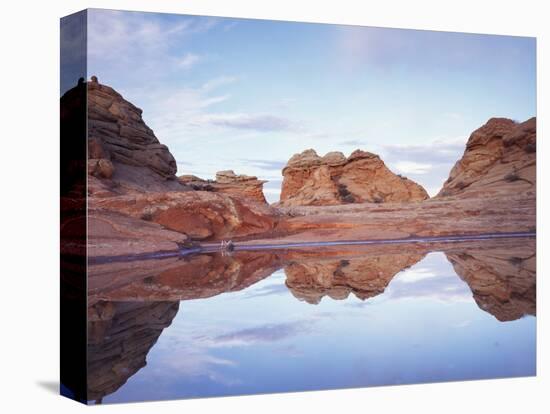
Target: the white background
(29, 204)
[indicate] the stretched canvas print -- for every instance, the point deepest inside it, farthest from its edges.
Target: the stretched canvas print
(255, 206)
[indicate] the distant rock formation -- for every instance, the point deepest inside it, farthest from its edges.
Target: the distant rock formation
(228, 182)
(500, 159)
(121, 147)
(502, 284)
(311, 180)
(365, 277)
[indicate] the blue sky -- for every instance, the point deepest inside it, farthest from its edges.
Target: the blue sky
(248, 94)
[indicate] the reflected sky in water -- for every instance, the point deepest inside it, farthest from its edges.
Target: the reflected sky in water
(425, 327)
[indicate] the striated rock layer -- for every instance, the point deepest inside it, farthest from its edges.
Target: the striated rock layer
(122, 148)
(499, 159)
(227, 182)
(311, 180)
(198, 214)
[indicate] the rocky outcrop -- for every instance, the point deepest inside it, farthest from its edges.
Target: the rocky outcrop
(500, 159)
(120, 335)
(135, 202)
(364, 277)
(503, 281)
(122, 148)
(112, 233)
(435, 217)
(198, 214)
(311, 180)
(227, 182)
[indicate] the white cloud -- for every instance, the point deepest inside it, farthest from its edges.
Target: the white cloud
(411, 167)
(141, 45)
(414, 275)
(188, 60)
(256, 122)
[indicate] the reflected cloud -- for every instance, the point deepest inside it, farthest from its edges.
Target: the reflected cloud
(265, 333)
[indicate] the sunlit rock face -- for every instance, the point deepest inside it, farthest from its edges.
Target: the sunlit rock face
(311, 280)
(122, 148)
(227, 182)
(500, 159)
(503, 281)
(120, 335)
(200, 215)
(311, 180)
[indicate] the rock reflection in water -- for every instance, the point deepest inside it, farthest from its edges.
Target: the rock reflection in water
(365, 277)
(130, 304)
(120, 335)
(503, 282)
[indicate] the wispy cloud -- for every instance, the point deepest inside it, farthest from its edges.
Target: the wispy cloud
(411, 167)
(265, 333)
(188, 61)
(429, 164)
(118, 40)
(256, 122)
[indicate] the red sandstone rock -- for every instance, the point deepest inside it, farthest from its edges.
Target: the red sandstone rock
(200, 215)
(227, 182)
(117, 134)
(500, 159)
(310, 180)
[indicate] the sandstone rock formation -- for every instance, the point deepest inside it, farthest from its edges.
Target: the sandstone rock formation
(310, 180)
(365, 277)
(500, 159)
(435, 217)
(503, 281)
(228, 182)
(112, 233)
(200, 215)
(120, 335)
(121, 147)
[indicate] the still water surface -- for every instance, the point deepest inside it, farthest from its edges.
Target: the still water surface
(293, 321)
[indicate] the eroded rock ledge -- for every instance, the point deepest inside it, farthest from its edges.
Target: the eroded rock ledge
(227, 182)
(311, 180)
(499, 159)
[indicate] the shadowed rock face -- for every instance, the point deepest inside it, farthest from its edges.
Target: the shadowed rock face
(364, 277)
(500, 159)
(227, 182)
(503, 285)
(120, 335)
(122, 148)
(335, 179)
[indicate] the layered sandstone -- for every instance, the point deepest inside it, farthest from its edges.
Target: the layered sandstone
(200, 215)
(122, 148)
(227, 182)
(311, 180)
(499, 159)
